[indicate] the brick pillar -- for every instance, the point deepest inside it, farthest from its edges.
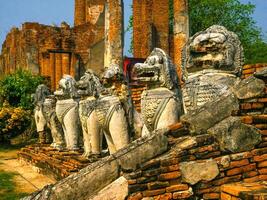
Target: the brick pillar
(161, 24)
(142, 28)
(114, 32)
(150, 26)
(181, 31)
(80, 12)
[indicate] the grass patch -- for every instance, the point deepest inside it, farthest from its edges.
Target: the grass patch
(7, 187)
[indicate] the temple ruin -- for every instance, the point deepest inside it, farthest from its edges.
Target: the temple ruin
(203, 139)
(96, 40)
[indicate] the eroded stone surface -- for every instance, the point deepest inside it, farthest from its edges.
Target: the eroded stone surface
(161, 101)
(261, 74)
(193, 172)
(249, 88)
(205, 117)
(117, 190)
(234, 136)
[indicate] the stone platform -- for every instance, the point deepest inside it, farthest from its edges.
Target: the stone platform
(51, 162)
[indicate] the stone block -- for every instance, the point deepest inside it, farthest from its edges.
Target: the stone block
(116, 190)
(169, 176)
(234, 136)
(192, 172)
(200, 120)
(183, 194)
(142, 150)
(179, 187)
(249, 88)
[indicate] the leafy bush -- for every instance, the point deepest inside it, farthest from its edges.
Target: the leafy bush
(17, 88)
(13, 121)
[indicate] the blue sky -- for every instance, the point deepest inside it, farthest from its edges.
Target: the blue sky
(15, 12)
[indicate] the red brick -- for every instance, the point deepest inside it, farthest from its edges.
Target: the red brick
(170, 168)
(169, 176)
(263, 177)
(250, 174)
(209, 190)
(257, 152)
(260, 158)
(257, 105)
(182, 195)
(136, 196)
(248, 71)
(261, 126)
(246, 106)
(169, 161)
(247, 119)
(262, 164)
(132, 182)
(225, 180)
(157, 185)
(264, 100)
(263, 132)
(239, 163)
(263, 171)
(167, 196)
(248, 67)
(151, 193)
(175, 188)
(225, 196)
(251, 180)
(211, 196)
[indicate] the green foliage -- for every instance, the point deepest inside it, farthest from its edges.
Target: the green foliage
(7, 187)
(13, 121)
(17, 88)
(236, 17)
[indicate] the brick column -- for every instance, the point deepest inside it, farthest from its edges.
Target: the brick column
(181, 30)
(80, 12)
(114, 32)
(161, 24)
(142, 28)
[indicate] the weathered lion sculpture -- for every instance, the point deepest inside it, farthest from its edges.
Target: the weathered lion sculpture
(67, 111)
(41, 93)
(212, 63)
(161, 101)
(89, 88)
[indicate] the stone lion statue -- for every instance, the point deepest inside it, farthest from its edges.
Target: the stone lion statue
(89, 88)
(41, 93)
(67, 111)
(49, 111)
(161, 102)
(212, 63)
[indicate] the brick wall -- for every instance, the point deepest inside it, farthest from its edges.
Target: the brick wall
(161, 177)
(51, 51)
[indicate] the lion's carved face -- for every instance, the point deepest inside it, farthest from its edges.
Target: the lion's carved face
(66, 88)
(156, 71)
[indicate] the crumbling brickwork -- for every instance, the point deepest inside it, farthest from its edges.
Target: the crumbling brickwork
(53, 51)
(50, 51)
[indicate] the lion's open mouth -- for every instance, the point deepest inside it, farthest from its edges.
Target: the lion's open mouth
(146, 73)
